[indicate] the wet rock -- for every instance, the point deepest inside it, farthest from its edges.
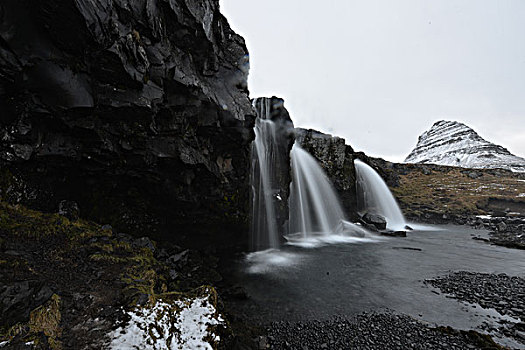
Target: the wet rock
(391, 233)
(374, 219)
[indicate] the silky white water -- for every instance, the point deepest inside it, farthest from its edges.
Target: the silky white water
(373, 196)
(265, 191)
(314, 205)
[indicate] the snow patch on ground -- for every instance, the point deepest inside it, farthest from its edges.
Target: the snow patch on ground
(183, 324)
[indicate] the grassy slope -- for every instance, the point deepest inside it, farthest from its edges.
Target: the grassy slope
(451, 191)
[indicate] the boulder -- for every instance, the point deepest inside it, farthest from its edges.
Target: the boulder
(374, 219)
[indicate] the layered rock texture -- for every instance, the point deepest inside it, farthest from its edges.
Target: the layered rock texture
(455, 144)
(136, 110)
(337, 160)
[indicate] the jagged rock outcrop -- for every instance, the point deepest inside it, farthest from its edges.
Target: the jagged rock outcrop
(455, 144)
(136, 110)
(337, 160)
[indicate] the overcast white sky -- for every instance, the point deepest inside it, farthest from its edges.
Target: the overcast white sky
(380, 72)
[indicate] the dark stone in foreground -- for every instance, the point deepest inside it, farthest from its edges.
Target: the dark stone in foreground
(371, 331)
(373, 219)
(391, 233)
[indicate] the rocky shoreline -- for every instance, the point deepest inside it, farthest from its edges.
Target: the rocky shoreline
(505, 231)
(503, 293)
(371, 331)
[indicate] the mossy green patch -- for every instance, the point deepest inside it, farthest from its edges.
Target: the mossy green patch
(46, 319)
(26, 223)
(43, 320)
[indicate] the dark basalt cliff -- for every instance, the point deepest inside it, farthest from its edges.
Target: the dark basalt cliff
(136, 110)
(337, 160)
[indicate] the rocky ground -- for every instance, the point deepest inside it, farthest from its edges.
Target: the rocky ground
(66, 283)
(370, 331)
(505, 294)
(506, 231)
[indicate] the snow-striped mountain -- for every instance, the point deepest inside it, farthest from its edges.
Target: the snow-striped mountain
(454, 143)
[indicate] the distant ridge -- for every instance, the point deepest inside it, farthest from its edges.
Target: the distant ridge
(453, 143)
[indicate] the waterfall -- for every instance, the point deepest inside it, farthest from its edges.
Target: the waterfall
(312, 213)
(314, 205)
(266, 158)
(374, 196)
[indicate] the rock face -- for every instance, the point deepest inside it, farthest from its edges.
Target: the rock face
(137, 111)
(455, 144)
(337, 160)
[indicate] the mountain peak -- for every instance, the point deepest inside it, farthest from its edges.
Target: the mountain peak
(456, 144)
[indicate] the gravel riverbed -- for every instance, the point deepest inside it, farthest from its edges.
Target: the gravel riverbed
(370, 331)
(501, 292)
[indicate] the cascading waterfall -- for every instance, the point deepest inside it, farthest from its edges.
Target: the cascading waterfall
(373, 196)
(314, 214)
(314, 205)
(265, 190)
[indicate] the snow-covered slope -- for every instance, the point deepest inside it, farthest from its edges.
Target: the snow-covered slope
(453, 143)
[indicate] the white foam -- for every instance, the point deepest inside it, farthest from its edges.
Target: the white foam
(271, 260)
(326, 239)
